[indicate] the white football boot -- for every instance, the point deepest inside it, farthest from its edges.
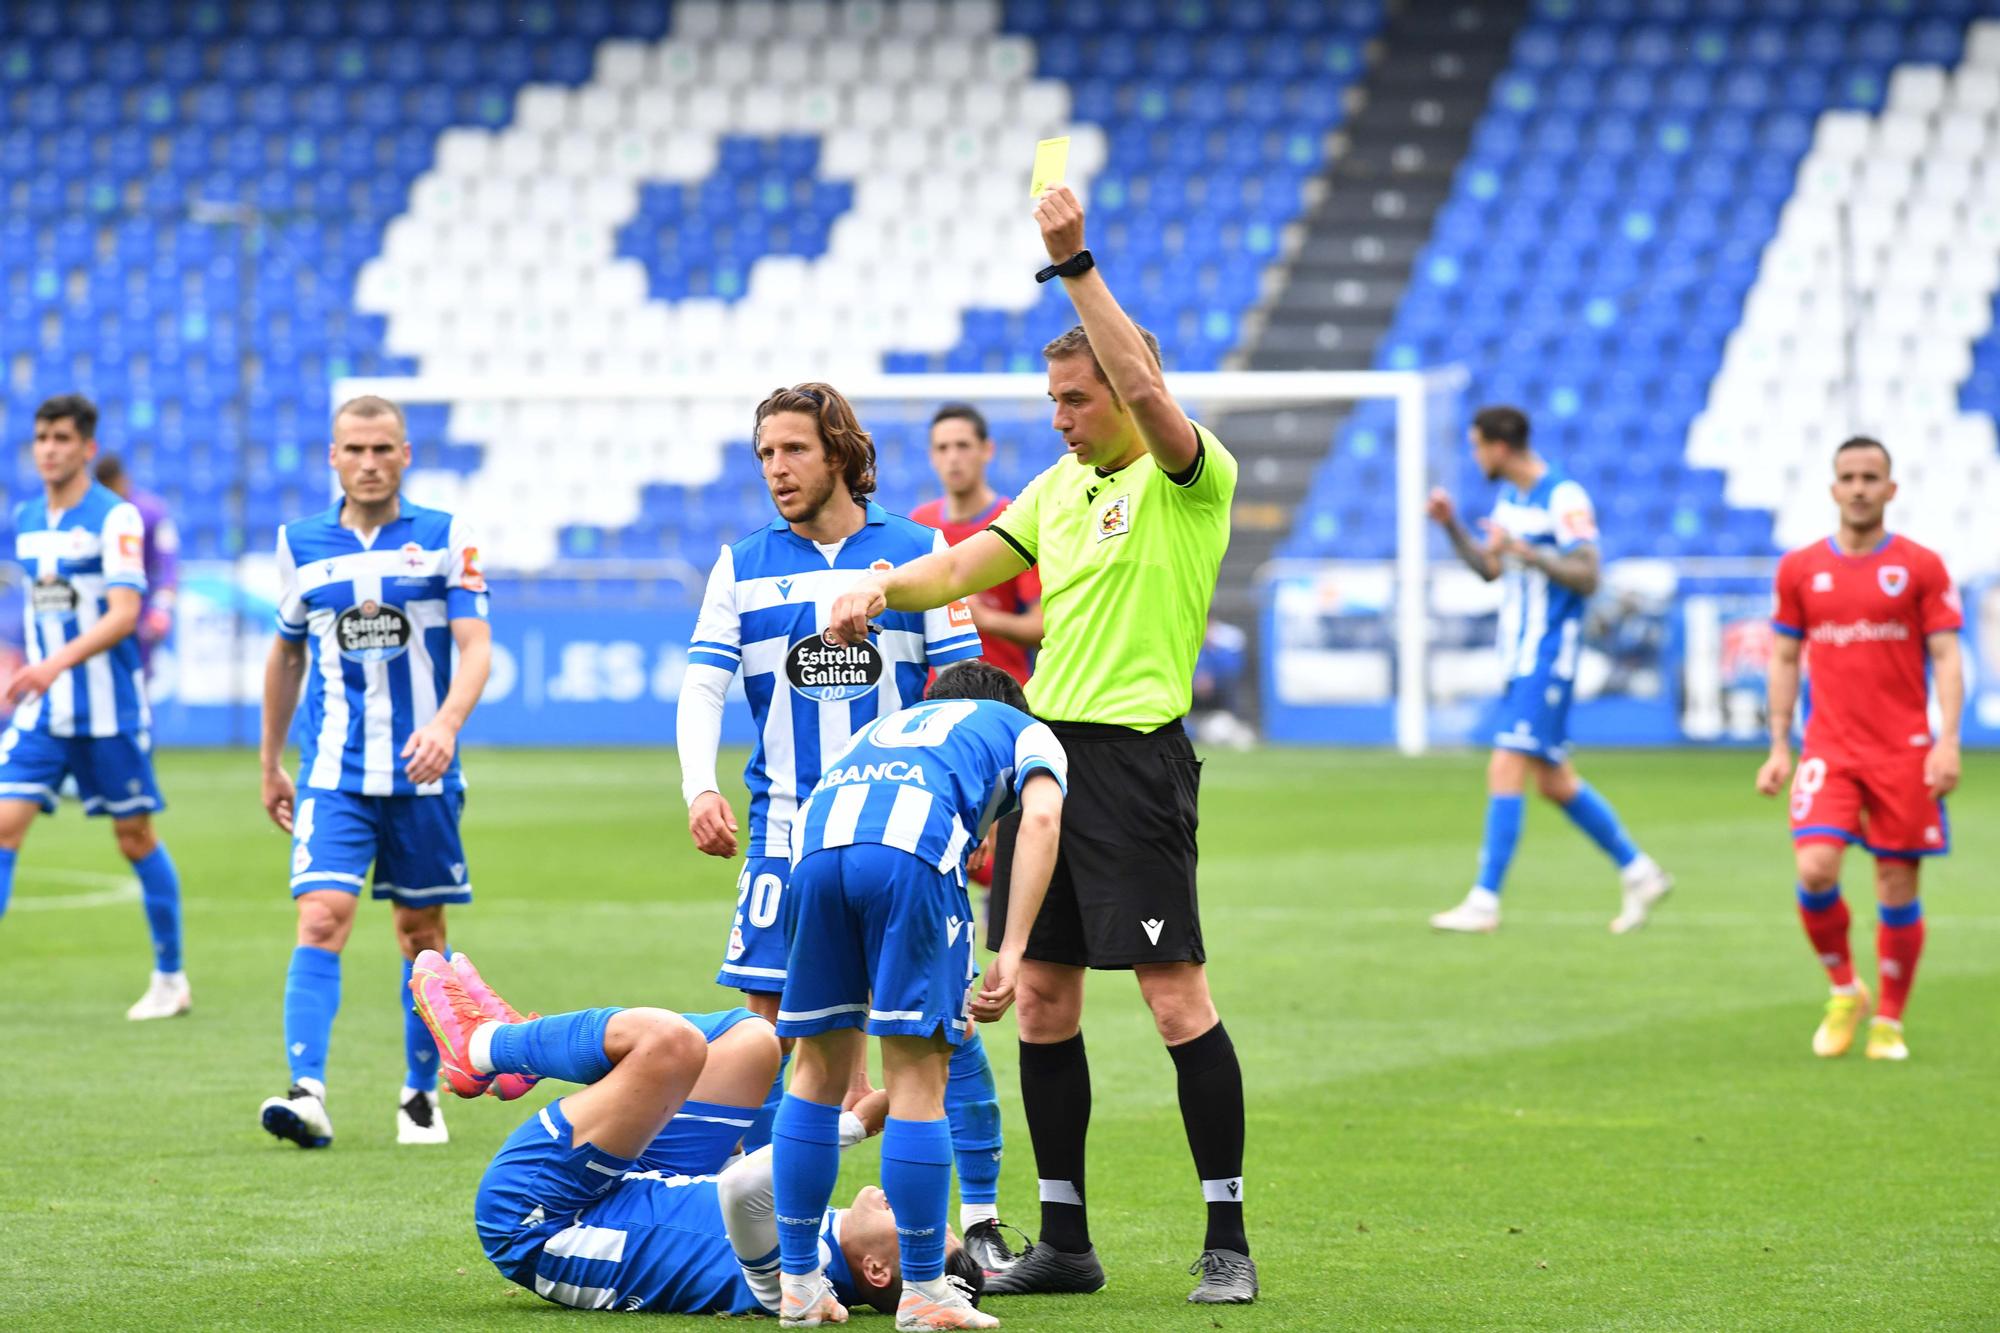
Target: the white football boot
(300, 1115)
(1644, 885)
(1479, 914)
(166, 996)
(419, 1118)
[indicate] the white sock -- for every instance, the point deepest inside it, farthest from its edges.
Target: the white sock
(1640, 867)
(934, 1290)
(1486, 900)
(312, 1085)
(971, 1215)
(1851, 988)
(480, 1049)
(803, 1287)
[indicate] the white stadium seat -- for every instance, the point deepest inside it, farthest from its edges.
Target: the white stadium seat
(622, 64)
(1917, 88)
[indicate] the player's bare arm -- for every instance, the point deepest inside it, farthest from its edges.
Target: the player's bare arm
(431, 746)
(1034, 862)
(1115, 340)
(1948, 680)
(1022, 627)
(974, 565)
(1782, 691)
(1481, 560)
(1577, 570)
(284, 671)
(117, 624)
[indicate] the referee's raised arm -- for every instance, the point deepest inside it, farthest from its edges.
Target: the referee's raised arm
(1130, 367)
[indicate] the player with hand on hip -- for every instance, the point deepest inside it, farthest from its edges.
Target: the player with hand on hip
(382, 612)
(80, 701)
(1872, 615)
(1542, 540)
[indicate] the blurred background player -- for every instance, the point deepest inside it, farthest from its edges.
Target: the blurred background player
(766, 613)
(1879, 613)
(1542, 538)
(1008, 614)
(1128, 529)
(80, 702)
(163, 545)
(386, 603)
(609, 1198)
(882, 945)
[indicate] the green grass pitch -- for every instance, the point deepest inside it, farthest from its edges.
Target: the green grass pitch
(1550, 1128)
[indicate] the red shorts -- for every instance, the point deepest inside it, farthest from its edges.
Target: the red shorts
(1882, 804)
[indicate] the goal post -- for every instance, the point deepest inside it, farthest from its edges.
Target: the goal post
(578, 451)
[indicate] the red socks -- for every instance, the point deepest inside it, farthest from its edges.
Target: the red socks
(1899, 942)
(1826, 918)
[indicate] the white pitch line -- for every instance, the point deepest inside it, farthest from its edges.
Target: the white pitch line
(119, 889)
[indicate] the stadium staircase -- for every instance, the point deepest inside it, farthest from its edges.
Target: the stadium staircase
(1338, 285)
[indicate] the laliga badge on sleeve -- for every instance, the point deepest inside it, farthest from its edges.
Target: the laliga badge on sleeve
(1051, 161)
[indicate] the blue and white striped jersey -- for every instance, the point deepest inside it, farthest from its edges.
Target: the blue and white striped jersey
(74, 556)
(765, 613)
(375, 612)
(929, 780)
(1541, 622)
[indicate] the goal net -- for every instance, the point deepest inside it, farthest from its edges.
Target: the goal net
(620, 491)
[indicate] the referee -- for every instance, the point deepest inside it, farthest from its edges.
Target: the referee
(1128, 531)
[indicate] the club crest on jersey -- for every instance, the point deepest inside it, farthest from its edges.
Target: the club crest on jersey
(1823, 581)
(372, 632)
(825, 670)
(1893, 578)
(1115, 519)
(881, 566)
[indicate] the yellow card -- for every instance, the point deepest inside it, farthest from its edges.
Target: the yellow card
(1051, 160)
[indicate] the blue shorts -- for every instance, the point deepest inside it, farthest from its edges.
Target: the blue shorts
(535, 1186)
(1533, 717)
(702, 1136)
(880, 940)
(412, 841)
(754, 958)
(114, 774)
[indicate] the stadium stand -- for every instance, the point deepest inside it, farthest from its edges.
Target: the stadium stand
(217, 210)
(1640, 171)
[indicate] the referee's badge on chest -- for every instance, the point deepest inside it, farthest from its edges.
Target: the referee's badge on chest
(1115, 519)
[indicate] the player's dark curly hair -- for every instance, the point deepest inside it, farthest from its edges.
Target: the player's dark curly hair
(977, 680)
(76, 408)
(849, 448)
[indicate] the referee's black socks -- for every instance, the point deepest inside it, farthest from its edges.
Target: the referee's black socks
(1211, 1088)
(1055, 1092)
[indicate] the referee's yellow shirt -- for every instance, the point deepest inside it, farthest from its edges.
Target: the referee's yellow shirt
(1128, 565)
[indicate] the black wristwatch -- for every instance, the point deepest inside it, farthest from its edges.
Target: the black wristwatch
(1075, 266)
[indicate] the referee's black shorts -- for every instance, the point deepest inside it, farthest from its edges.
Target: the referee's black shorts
(1123, 891)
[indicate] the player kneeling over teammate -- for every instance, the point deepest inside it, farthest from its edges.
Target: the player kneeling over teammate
(616, 1197)
(882, 944)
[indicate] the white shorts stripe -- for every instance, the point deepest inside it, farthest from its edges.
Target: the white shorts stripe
(580, 1298)
(581, 1242)
(436, 891)
(776, 973)
(327, 876)
(547, 1123)
(807, 1015)
(895, 1015)
(715, 1120)
(603, 1170)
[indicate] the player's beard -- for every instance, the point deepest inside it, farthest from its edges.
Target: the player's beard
(814, 497)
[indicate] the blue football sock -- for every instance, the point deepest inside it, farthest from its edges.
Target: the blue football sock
(565, 1046)
(916, 1175)
(805, 1161)
(972, 1107)
(7, 855)
(160, 892)
(759, 1132)
(1503, 831)
(1594, 815)
(312, 997)
(419, 1050)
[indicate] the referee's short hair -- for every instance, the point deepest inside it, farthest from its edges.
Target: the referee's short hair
(1502, 425)
(978, 680)
(1077, 343)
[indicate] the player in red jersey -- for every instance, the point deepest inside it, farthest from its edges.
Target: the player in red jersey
(1009, 614)
(1873, 611)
